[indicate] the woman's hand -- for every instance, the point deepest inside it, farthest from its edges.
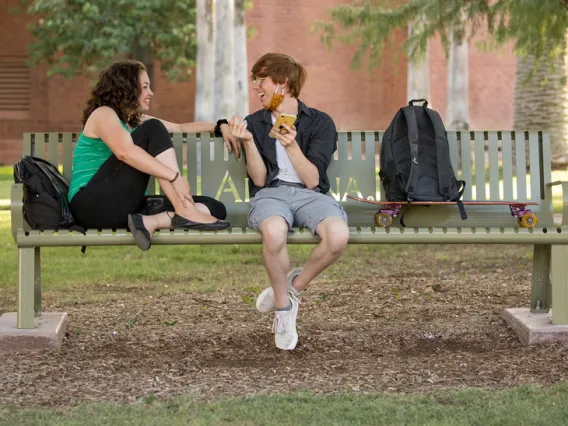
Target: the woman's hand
(183, 190)
(230, 140)
(287, 139)
(238, 128)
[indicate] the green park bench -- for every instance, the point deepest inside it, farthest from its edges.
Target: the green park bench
(496, 166)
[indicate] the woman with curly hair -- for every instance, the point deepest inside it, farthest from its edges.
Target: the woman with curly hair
(118, 150)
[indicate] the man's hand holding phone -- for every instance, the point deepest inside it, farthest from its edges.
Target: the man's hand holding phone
(283, 119)
(287, 139)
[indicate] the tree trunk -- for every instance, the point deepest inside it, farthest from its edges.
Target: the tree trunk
(457, 105)
(541, 103)
(241, 60)
(225, 60)
(418, 80)
(143, 54)
(205, 66)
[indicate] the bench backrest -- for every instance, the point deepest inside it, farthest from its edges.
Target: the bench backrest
(496, 166)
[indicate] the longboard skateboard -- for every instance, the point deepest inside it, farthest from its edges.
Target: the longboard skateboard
(525, 218)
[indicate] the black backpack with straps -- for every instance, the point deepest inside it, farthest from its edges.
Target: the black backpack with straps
(415, 158)
(45, 200)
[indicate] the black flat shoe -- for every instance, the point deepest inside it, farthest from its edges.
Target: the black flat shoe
(183, 223)
(139, 231)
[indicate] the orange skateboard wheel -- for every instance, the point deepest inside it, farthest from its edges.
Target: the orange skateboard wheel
(528, 220)
(383, 219)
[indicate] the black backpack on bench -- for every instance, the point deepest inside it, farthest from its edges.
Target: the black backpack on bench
(415, 158)
(45, 200)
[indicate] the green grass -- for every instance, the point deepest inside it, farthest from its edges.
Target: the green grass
(527, 405)
(6, 181)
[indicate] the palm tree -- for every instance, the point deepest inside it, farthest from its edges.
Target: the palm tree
(541, 102)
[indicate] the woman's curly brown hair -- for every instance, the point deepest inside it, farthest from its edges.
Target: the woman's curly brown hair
(118, 87)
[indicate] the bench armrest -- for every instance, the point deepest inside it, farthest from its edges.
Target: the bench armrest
(548, 195)
(17, 208)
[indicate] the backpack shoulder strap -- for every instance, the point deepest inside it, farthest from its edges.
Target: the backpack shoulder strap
(441, 143)
(388, 157)
(412, 125)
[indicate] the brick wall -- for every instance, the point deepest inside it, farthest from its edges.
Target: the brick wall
(356, 99)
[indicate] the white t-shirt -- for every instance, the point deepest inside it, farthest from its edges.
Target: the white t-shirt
(286, 172)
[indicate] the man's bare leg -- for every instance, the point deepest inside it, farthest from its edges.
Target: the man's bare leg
(334, 235)
(274, 235)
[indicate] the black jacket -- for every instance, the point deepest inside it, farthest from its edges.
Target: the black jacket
(316, 136)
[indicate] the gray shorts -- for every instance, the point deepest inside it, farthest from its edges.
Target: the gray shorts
(300, 207)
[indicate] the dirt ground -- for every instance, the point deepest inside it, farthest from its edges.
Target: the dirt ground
(401, 325)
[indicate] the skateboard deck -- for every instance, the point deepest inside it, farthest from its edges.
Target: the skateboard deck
(525, 218)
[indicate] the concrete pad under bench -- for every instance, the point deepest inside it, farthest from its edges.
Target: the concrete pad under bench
(48, 333)
(535, 328)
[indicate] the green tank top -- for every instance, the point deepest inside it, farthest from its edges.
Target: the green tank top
(88, 157)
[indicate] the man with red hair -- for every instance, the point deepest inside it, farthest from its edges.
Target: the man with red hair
(288, 184)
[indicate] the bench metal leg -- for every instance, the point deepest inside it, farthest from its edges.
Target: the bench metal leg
(37, 282)
(560, 285)
(541, 287)
(29, 286)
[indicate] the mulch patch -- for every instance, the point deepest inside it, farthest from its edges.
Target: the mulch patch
(400, 325)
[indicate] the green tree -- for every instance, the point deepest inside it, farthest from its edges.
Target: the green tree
(537, 29)
(80, 37)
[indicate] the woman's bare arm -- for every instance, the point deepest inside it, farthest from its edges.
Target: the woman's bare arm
(105, 124)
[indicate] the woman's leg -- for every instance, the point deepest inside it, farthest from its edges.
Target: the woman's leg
(159, 146)
(117, 189)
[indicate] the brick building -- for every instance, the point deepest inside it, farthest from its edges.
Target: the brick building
(356, 99)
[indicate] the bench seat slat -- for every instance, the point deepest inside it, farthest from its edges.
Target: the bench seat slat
(28, 143)
(507, 161)
(53, 150)
(493, 152)
(67, 155)
(480, 166)
(342, 148)
(534, 164)
(521, 165)
(453, 145)
(191, 155)
(38, 149)
(356, 145)
(465, 235)
(465, 146)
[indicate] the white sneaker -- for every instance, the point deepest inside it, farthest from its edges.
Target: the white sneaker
(284, 327)
(265, 300)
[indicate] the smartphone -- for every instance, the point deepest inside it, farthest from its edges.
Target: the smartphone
(289, 119)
